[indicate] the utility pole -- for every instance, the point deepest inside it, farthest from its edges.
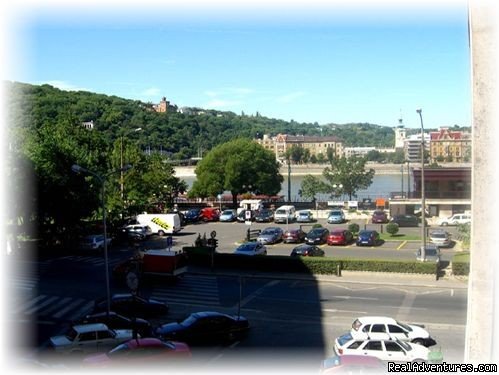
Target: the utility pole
(423, 211)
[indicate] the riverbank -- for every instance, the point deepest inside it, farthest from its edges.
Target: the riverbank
(317, 169)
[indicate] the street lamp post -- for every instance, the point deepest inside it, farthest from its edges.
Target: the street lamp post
(78, 169)
(423, 211)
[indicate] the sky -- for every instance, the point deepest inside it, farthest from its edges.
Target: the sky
(316, 61)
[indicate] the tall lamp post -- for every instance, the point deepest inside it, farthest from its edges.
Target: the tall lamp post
(102, 179)
(423, 211)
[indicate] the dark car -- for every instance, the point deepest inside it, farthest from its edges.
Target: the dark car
(192, 215)
(205, 328)
(294, 235)
(307, 250)
(368, 238)
(317, 236)
(264, 216)
(379, 217)
(132, 306)
(406, 220)
(340, 237)
(117, 321)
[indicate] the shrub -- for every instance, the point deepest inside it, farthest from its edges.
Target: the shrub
(392, 228)
(354, 228)
(317, 226)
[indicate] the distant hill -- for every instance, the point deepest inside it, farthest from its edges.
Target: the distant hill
(180, 135)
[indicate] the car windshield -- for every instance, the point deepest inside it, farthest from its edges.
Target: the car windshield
(335, 213)
(438, 235)
(268, 231)
(405, 326)
(246, 248)
(227, 213)
(342, 340)
(120, 351)
(189, 321)
(315, 232)
(404, 345)
(72, 334)
(431, 251)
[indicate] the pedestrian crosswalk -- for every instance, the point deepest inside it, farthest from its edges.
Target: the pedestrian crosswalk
(190, 290)
(52, 307)
(95, 260)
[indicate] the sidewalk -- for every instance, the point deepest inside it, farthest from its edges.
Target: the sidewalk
(357, 277)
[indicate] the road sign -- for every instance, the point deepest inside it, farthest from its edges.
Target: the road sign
(213, 234)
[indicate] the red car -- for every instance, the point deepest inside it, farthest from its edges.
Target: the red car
(140, 352)
(379, 217)
(209, 214)
(340, 237)
(295, 235)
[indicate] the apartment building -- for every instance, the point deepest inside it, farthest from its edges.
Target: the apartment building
(450, 146)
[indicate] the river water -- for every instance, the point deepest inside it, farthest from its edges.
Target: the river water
(382, 186)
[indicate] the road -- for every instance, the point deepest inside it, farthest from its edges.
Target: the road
(294, 321)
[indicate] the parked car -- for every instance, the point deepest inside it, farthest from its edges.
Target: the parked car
(192, 216)
(141, 352)
(340, 237)
(386, 350)
(88, 338)
(228, 216)
(441, 238)
(382, 327)
(209, 214)
(132, 306)
(368, 238)
(294, 235)
(270, 235)
(143, 230)
(336, 217)
(352, 364)
(94, 242)
(455, 219)
(251, 248)
(114, 320)
(264, 216)
(406, 220)
(205, 327)
(317, 236)
(379, 217)
(307, 250)
(241, 216)
(432, 254)
(305, 216)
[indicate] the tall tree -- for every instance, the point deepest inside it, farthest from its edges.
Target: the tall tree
(350, 173)
(237, 166)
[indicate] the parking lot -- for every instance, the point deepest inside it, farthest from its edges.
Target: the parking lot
(231, 234)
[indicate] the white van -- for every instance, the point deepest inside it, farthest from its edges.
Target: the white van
(285, 214)
(161, 224)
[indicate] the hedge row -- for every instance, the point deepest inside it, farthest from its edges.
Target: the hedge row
(321, 266)
(460, 268)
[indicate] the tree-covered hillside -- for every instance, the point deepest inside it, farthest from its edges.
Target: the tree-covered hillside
(180, 135)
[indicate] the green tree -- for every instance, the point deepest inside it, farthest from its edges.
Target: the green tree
(311, 186)
(350, 173)
(392, 228)
(237, 166)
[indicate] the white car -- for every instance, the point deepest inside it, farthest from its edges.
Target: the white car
(145, 230)
(385, 328)
(89, 338)
(94, 242)
(455, 219)
(385, 350)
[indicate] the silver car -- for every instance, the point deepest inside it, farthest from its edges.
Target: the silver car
(432, 254)
(441, 238)
(270, 235)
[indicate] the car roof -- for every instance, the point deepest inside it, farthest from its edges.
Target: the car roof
(206, 314)
(82, 328)
(376, 319)
(148, 341)
(338, 230)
